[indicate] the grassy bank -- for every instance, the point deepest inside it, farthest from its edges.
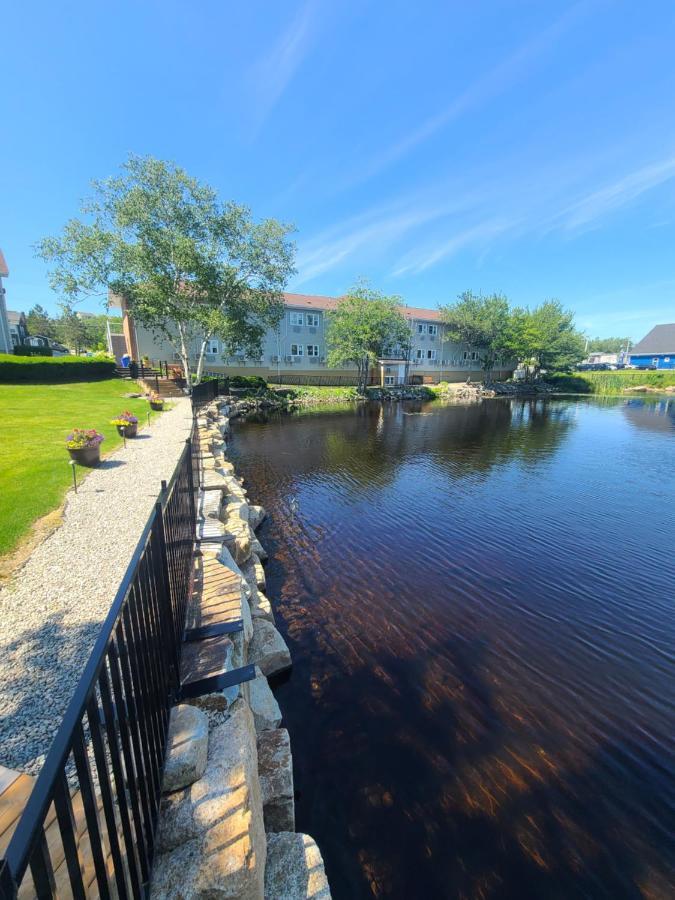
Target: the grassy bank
(607, 383)
(36, 418)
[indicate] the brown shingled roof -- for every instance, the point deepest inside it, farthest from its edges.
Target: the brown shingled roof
(317, 301)
(4, 271)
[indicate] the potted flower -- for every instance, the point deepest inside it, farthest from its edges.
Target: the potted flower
(156, 402)
(126, 424)
(84, 446)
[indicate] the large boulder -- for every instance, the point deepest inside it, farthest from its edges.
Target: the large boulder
(187, 747)
(275, 769)
(268, 649)
(263, 703)
(254, 572)
(211, 838)
(294, 869)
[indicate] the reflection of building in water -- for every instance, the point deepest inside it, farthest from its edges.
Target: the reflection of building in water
(652, 415)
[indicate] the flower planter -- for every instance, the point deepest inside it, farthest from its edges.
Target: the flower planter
(86, 456)
(154, 404)
(128, 430)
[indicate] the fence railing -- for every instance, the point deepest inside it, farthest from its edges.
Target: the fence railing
(89, 824)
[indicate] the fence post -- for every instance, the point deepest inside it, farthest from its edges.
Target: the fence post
(8, 887)
(163, 573)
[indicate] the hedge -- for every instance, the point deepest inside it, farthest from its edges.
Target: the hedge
(27, 350)
(48, 369)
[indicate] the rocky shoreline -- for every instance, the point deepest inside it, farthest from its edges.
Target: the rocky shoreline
(227, 818)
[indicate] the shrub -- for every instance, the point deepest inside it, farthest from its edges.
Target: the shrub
(27, 350)
(50, 369)
(252, 382)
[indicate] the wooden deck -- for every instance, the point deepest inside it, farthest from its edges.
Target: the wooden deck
(15, 789)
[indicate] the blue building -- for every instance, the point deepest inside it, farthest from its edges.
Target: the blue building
(657, 349)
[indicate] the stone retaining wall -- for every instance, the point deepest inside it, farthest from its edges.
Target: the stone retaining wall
(227, 819)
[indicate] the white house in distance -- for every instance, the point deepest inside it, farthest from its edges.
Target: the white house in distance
(5, 338)
(297, 348)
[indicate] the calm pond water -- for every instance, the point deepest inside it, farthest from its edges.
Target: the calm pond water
(479, 604)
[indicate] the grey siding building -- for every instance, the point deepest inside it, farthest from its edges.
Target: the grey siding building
(298, 349)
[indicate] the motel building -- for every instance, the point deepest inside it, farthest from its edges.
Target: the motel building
(296, 352)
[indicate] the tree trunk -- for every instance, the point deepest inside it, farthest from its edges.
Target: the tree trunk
(184, 357)
(200, 362)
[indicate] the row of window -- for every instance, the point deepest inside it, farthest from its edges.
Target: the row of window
(299, 350)
(431, 355)
(311, 319)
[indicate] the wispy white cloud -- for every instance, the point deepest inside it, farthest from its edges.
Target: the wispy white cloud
(481, 234)
(272, 73)
(489, 86)
(428, 227)
(610, 198)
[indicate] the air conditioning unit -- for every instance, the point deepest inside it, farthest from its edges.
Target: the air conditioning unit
(323, 359)
(176, 357)
(289, 359)
(275, 359)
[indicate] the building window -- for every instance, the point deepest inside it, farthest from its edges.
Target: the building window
(433, 330)
(297, 319)
(431, 355)
(465, 355)
(389, 380)
(297, 349)
(421, 329)
(212, 347)
(474, 355)
(420, 353)
(312, 350)
(312, 320)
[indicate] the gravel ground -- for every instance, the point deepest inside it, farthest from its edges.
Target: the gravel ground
(50, 615)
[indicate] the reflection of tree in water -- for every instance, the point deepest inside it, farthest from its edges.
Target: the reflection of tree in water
(366, 445)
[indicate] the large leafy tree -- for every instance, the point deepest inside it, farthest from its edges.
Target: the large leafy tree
(190, 266)
(40, 322)
(484, 322)
(365, 325)
(546, 337)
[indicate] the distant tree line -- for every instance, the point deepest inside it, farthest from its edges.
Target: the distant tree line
(76, 332)
(608, 345)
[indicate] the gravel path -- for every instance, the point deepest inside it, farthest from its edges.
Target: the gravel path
(50, 615)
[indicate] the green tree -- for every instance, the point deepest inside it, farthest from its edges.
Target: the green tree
(70, 330)
(545, 337)
(608, 345)
(365, 325)
(482, 322)
(190, 266)
(39, 321)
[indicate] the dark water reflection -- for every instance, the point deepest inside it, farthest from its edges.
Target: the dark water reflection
(479, 605)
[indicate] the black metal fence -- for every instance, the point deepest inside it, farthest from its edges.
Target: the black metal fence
(88, 827)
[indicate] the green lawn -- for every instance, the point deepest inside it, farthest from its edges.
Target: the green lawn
(36, 418)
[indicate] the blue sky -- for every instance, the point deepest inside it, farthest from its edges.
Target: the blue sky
(526, 147)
